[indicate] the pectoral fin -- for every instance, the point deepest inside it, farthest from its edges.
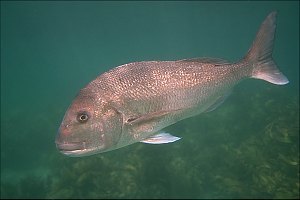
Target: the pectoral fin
(152, 122)
(218, 102)
(147, 118)
(161, 138)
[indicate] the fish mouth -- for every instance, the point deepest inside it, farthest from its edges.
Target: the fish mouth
(69, 148)
(75, 149)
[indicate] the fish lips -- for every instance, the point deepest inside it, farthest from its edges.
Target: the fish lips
(70, 148)
(75, 149)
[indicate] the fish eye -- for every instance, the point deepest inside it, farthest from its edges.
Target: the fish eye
(82, 117)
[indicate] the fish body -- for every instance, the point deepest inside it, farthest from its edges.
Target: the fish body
(134, 102)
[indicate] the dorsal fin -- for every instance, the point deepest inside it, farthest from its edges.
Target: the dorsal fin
(215, 61)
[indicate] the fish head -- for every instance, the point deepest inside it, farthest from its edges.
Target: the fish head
(90, 126)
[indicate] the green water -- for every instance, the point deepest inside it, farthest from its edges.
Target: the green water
(247, 148)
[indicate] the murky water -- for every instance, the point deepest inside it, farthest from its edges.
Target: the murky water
(247, 148)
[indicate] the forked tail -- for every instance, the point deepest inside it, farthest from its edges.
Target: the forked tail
(260, 54)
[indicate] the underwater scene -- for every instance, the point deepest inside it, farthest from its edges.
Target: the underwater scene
(248, 147)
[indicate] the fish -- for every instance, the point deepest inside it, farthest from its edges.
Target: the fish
(134, 102)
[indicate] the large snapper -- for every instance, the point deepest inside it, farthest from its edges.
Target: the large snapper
(134, 102)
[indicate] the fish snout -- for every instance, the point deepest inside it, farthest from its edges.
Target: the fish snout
(70, 148)
(64, 130)
(66, 144)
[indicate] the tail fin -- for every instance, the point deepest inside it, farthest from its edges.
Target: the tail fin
(260, 54)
